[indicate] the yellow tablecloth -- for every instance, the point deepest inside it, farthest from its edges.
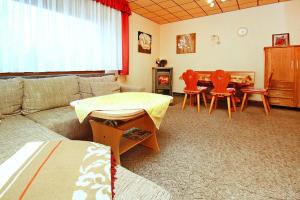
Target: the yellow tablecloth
(155, 105)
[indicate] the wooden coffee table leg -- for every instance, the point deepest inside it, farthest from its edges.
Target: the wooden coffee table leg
(109, 136)
(151, 142)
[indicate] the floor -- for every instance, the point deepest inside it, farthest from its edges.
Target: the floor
(206, 156)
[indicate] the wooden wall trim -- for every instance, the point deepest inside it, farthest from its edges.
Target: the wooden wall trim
(50, 73)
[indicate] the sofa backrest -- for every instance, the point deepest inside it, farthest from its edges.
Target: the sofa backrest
(11, 96)
(46, 93)
(85, 84)
(31, 94)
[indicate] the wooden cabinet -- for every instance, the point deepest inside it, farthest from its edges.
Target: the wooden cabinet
(284, 89)
(297, 60)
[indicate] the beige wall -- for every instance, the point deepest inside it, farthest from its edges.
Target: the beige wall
(140, 64)
(234, 52)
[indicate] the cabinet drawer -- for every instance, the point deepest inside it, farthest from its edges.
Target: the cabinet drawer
(282, 102)
(281, 93)
(282, 85)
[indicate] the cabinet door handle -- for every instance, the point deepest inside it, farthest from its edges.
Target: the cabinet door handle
(297, 65)
(292, 64)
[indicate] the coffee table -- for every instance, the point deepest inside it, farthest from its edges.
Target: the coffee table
(113, 135)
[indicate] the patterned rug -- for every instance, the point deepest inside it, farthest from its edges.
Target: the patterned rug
(206, 156)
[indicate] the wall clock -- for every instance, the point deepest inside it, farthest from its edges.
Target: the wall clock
(242, 31)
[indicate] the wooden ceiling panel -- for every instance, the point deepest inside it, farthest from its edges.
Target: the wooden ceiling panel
(175, 9)
(231, 8)
(227, 3)
(198, 14)
(167, 11)
(190, 5)
(167, 4)
(195, 10)
(212, 12)
(264, 2)
(208, 8)
(247, 1)
(186, 17)
(169, 17)
(162, 12)
(248, 5)
(181, 13)
(180, 2)
(144, 3)
(153, 8)
(201, 3)
(141, 11)
(149, 15)
(134, 6)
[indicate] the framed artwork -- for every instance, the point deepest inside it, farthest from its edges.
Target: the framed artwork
(281, 40)
(145, 41)
(186, 43)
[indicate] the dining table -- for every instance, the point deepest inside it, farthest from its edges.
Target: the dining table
(238, 80)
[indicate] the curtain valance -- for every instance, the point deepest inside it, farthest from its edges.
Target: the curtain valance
(121, 5)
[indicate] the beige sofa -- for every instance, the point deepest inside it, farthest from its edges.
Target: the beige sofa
(38, 109)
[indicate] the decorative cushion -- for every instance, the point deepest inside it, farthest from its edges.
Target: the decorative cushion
(45, 93)
(11, 96)
(85, 86)
(103, 88)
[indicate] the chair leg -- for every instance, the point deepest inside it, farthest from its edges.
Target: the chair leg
(198, 102)
(265, 104)
(211, 104)
(216, 104)
(268, 103)
(229, 107)
(184, 100)
(233, 102)
(204, 99)
(191, 99)
(246, 103)
(243, 102)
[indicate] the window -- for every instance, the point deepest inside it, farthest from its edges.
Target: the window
(53, 36)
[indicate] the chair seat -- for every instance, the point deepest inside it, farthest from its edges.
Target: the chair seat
(200, 89)
(192, 91)
(231, 90)
(254, 90)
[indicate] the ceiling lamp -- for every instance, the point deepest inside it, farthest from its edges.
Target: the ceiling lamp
(212, 4)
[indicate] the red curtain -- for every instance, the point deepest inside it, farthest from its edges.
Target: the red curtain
(122, 5)
(125, 44)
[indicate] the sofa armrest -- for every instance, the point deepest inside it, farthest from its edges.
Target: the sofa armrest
(131, 88)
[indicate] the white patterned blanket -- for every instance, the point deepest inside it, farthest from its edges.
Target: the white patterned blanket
(58, 170)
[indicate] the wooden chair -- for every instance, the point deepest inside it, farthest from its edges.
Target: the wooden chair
(220, 80)
(264, 92)
(191, 79)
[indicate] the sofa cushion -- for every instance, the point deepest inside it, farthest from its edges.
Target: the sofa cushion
(85, 84)
(17, 130)
(103, 88)
(11, 96)
(63, 121)
(46, 93)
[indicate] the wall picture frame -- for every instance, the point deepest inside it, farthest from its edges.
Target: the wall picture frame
(186, 43)
(144, 42)
(281, 40)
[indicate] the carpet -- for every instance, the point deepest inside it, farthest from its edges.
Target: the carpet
(204, 156)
